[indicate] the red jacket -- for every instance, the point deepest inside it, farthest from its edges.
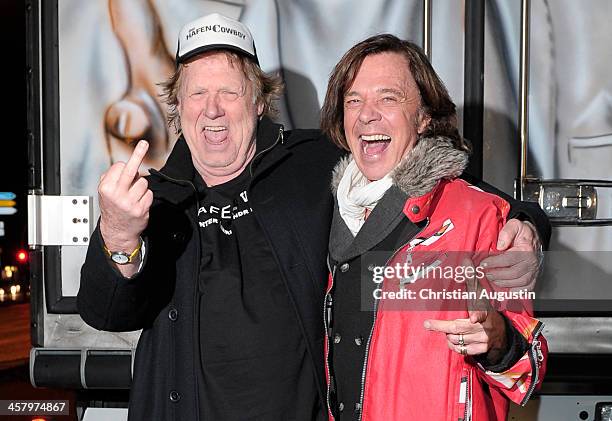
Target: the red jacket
(410, 372)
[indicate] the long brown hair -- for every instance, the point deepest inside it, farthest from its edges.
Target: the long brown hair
(435, 101)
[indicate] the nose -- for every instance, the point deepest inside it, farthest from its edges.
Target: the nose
(369, 112)
(214, 108)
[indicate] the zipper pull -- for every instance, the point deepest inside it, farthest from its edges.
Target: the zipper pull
(538, 347)
(408, 260)
(328, 309)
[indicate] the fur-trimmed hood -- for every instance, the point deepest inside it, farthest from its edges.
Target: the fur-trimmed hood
(432, 159)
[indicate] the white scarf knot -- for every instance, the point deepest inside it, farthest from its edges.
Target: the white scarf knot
(356, 194)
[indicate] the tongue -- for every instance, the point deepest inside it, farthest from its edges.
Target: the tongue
(215, 136)
(376, 147)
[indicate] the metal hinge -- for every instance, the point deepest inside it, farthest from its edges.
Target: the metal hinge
(59, 220)
(567, 202)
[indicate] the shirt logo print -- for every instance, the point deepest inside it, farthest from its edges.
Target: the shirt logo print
(216, 215)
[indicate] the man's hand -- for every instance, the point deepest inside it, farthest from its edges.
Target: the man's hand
(125, 201)
(483, 333)
(518, 266)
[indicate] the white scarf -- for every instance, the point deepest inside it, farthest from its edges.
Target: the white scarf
(356, 194)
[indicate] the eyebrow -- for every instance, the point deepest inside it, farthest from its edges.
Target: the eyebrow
(380, 91)
(226, 88)
(391, 91)
(241, 89)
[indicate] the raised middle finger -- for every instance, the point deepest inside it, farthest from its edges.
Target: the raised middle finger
(130, 171)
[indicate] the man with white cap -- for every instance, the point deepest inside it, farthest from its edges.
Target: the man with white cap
(220, 256)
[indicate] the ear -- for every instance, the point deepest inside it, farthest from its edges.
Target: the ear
(423, 121)
(260, 108)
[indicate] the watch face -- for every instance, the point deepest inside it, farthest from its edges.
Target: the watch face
(120, 258)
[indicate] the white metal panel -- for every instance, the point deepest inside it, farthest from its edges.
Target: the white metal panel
(105, 414)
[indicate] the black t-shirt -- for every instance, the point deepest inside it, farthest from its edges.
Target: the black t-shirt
(253, 354)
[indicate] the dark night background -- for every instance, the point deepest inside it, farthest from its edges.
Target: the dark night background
(14, 168)
(13, 151)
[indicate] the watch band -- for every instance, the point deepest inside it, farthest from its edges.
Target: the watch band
(125, 256)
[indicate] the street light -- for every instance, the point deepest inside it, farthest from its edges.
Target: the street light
(22, 256)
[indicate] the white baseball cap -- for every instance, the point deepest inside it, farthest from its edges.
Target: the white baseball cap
(214, 32)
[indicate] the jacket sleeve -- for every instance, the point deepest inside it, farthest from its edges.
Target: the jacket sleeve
(516, 346)
(519, 381)
(526, 375)
(524, 211)
(106, 299)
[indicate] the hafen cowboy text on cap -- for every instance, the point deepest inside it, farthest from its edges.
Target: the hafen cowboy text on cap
(214, 32)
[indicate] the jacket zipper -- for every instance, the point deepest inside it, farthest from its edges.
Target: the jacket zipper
(259, 154)
(365, 361)
(196, 302)
(535, 357)
(327, 306)
(467, 413)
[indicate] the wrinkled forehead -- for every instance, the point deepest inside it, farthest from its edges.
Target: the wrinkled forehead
(215, 67)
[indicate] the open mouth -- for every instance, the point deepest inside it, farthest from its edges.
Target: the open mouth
(215, 134)
(374, 144)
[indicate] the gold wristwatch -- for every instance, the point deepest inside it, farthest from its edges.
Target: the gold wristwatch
(121, 257)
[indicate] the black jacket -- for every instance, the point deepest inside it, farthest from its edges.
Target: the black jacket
(291, 198)
(292, 201)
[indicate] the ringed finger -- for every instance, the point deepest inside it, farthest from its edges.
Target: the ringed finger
(469, 349)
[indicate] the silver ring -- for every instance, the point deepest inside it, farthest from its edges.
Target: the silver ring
(463, 350)
(461, 341)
